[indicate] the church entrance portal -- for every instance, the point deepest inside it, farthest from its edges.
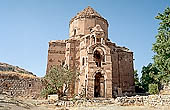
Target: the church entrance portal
(99, 86)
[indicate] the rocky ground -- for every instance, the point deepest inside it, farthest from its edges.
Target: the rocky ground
(4, 67)
(10, 103)
(114, 107)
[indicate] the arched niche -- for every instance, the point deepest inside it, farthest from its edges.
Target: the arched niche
(99, 56)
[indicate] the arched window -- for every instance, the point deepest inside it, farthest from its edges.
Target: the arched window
(63, 62)
(83, 61)
(97, 57)
(98, 39)
(74, 32)
(91, 29)
(93, 38)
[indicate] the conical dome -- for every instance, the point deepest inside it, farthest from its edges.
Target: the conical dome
(87, 13)
(85, 21)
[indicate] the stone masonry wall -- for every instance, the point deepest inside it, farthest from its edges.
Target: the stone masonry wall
(150, 100)
(22, 85)
(126, 71)
(56, 53)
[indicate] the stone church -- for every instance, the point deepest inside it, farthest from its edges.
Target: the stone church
(105, 68)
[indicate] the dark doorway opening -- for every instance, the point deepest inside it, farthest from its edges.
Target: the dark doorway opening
(99, 85)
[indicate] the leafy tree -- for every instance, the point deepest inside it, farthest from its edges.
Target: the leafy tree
(153, 89)
(149, 76)
(136, 78)
(138, 87)
(162, 46)
(57, 80)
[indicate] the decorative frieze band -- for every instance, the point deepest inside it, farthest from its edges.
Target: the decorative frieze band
(56, 52)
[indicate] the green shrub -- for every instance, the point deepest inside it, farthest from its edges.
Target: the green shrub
(153, 89)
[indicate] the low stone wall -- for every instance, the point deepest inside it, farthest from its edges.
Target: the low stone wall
(150, 100)
(79, 103)
(20, 85)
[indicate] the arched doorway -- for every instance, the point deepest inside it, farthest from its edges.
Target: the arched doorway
(99, 85)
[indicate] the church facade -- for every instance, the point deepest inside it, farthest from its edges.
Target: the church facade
(105, 68)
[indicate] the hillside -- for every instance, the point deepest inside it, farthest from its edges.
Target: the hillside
(10, 68)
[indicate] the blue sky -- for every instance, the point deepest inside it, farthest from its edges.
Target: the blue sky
(26, 27)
